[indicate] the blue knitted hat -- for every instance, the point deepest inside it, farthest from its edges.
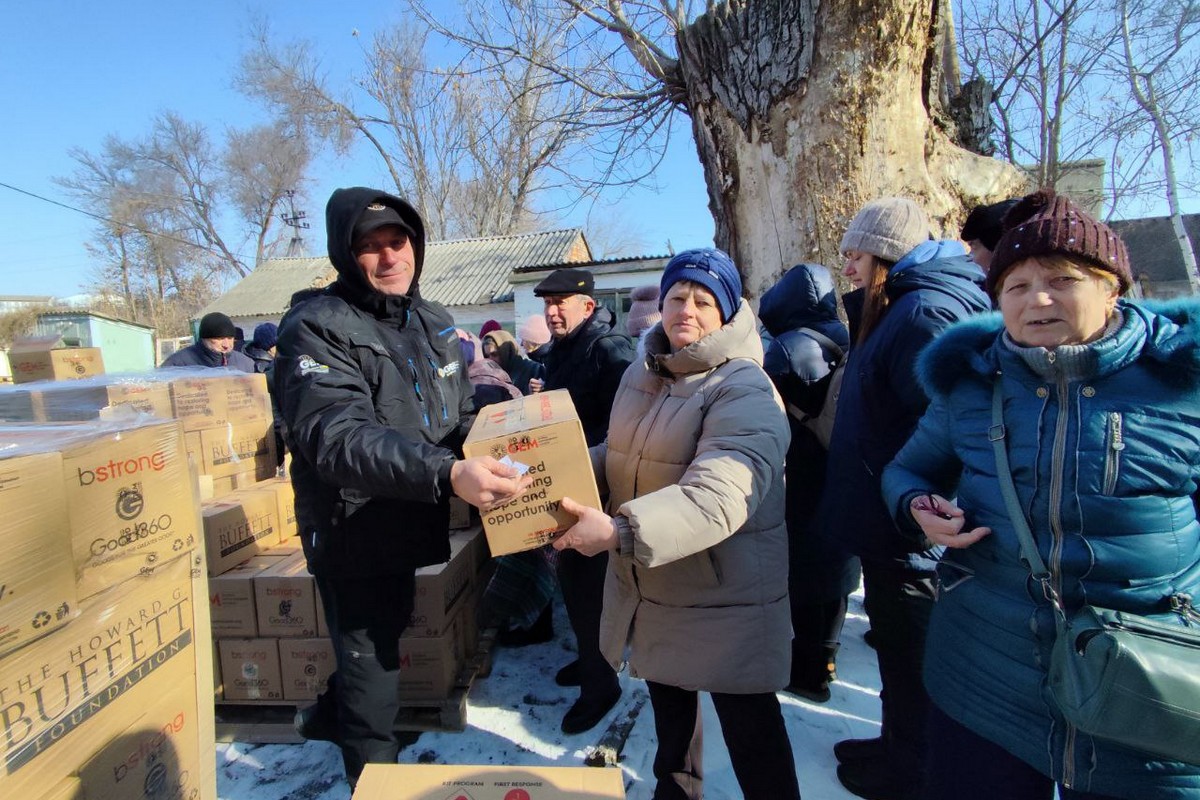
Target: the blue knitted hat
(710, 268)
(266, 335)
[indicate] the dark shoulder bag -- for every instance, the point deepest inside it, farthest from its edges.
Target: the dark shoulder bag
(1114, 675)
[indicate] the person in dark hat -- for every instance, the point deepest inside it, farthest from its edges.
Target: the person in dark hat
(694, 535)
(982, 229)
(376, 402)
(587, 359)
(1095, 399)
(261, 348)
(215, 348)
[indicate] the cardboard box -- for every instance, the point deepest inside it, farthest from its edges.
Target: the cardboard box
(231, 598)
(68, 789)
(488, 782)
(285, 597)
(21, 404)
(157, 756)
(238, 447)
(65, 696)
(250, 669)
(37, 578)
(61, 363)
(543, 432)
(286, 496)
(206, 398)
(440, 590)
(238, 526)
(429, 666)
(129, 495)
(100, 398)
(306, 665)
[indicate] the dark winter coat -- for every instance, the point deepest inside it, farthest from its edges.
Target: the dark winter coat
(197, 355)
(800, 367)
(932, 287)
(589, 362)
(376, 402)
(1106, 469)
(261, 358)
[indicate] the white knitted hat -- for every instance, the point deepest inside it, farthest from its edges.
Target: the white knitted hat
(888, 228)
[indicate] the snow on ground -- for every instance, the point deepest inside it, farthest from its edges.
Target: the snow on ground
(513, 717)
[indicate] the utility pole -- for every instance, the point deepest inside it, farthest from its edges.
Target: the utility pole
(294, 219)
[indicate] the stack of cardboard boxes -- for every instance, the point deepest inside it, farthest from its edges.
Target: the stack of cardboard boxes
(103, 645)
(226, 415)
(270, 630)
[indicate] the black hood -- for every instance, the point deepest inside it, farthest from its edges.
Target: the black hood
(803, 297)
(341, 213)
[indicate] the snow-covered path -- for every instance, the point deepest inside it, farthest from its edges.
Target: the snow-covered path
(513, 717)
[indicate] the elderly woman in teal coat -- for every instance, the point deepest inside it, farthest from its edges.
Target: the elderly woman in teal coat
(1101, 408)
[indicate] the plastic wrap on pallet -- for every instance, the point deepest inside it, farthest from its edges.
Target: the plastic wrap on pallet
(118, 680)
(37, 579)
(199, 397)
(128, 495)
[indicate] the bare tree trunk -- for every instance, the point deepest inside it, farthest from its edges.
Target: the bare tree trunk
(793, 146)
(1142, 86)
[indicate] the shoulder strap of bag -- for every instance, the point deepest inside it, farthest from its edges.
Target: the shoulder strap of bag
(840, 354)
(825, 341)
(1029, 552)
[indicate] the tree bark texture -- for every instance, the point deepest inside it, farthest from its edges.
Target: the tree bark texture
(803, 110)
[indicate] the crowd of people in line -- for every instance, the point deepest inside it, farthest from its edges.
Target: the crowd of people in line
(755, 466)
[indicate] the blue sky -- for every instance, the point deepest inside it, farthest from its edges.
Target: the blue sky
(74, 72)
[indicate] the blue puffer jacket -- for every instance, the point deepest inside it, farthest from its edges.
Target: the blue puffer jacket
(1106, 470)
(932, 287)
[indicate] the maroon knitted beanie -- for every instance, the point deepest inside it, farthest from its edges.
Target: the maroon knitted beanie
(1043, 223)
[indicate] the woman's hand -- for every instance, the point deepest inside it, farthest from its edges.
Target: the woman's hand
(942, 521)
(594, 533)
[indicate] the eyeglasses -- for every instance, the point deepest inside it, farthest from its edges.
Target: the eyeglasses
(929, 503)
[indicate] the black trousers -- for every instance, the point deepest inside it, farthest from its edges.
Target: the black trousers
(898, 598)
(816, 637)
(754, 732)
(366, 617)
(964, 764)
(581, 579)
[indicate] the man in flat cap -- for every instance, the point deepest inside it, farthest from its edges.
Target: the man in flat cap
(376, 403)
(587, 359)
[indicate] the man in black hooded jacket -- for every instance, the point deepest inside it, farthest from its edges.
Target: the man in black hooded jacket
(376, 403)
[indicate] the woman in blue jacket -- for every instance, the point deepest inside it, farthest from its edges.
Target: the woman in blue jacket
(909, 289)
(1101, 407)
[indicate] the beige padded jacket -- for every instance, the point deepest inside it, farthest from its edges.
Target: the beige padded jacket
(694, 462)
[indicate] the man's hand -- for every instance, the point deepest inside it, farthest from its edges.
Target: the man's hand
(594, 533)
(536, 385)
(486, 483)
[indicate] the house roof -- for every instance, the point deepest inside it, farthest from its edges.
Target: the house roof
(458, 272)
(1153, 252)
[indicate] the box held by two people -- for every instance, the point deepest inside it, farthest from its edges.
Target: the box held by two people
(542, 432)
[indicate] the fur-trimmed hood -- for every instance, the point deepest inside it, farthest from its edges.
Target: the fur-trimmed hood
(972, 348)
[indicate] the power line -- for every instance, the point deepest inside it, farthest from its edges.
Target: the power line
(111, 221)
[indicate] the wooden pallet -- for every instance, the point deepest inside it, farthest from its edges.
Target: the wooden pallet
(271, 722)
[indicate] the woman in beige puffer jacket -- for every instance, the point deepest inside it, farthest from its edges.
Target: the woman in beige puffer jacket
(697, 585)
